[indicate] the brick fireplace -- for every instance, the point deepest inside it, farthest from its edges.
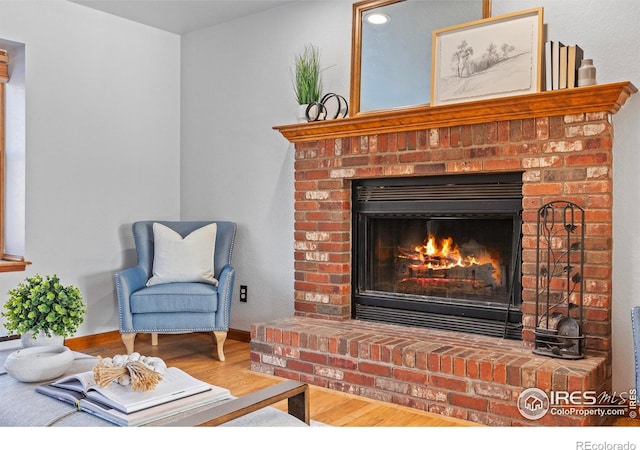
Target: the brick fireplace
(561, 143)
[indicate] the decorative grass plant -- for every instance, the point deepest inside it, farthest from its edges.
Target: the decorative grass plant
(307, 83)
(43, 304)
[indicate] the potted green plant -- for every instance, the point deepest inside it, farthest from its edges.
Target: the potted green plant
(43, 307)
(307, 82)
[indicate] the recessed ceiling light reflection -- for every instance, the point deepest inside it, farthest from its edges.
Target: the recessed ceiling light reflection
(377, 18)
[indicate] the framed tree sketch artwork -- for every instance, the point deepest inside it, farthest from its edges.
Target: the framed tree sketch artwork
(495, 57)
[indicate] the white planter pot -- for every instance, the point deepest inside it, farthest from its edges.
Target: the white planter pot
(41, 338)
(38, 363)
(302, 113)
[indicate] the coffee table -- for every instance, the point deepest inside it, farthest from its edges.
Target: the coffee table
(20, 405)
(296, 394)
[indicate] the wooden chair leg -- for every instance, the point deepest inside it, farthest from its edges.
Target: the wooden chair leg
(128, 339)
(220, 337)
(154, 338)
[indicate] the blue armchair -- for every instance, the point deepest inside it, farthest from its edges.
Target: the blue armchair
(176, 307)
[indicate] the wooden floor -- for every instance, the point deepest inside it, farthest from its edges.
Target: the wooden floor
(193, 353)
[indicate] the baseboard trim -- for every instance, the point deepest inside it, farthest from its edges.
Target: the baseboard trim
(77, 343)
(239, 335)
(92, 340)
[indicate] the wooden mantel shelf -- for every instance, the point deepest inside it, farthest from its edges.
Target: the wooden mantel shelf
(599, 98)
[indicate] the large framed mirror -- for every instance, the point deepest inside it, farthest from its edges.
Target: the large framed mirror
(391, 61)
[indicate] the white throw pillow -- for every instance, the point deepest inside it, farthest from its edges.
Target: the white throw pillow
(189, 259)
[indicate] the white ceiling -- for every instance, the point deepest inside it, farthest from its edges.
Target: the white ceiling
(181, 16)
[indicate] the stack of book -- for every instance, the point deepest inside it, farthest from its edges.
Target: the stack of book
(561, 65)
(178, 392)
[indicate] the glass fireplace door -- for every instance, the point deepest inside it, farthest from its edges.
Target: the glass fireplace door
(446, 258)
(439, 252)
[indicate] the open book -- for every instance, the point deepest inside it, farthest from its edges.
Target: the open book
(177, 392)
(141, 417)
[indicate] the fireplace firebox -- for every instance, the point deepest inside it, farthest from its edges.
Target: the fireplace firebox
(439, 252)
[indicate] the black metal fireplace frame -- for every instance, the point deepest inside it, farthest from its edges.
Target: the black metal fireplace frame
(477, 196)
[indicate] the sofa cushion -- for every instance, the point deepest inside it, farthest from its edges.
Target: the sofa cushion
(188, 259)
(175, 297)
(22, 406)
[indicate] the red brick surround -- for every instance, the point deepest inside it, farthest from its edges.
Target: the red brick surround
(561, 157)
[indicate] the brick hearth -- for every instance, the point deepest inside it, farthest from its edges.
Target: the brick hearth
(562, 156)
(459, 375)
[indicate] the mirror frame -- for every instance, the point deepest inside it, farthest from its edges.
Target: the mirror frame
(359, 9)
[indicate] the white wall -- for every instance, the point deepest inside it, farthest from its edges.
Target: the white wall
(102, 143)
(236, 86)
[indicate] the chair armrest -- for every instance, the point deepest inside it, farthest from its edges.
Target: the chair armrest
(128, 281)
(225, 293)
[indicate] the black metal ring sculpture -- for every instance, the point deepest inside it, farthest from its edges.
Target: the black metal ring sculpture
(316, 111)
(338, 107)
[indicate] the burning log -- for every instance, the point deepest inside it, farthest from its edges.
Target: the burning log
(482, 273)
(438, 264)
(439, 260)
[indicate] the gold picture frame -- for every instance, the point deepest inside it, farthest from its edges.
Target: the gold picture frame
(463, 9)
(489, 58)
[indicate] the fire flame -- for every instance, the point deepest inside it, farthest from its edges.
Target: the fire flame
(440, 254)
